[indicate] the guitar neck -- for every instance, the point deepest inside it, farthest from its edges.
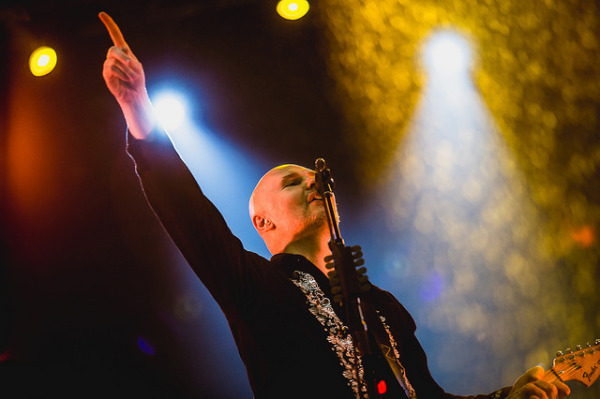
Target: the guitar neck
(551, 375)
(583, 365)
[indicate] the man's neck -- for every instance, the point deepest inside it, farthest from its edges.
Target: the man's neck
(315, 249)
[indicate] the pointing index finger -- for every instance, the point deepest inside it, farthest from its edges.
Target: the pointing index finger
(113, 30)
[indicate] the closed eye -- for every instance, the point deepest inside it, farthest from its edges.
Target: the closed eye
(293, 182)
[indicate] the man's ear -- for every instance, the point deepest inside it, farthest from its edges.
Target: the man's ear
(262, 224)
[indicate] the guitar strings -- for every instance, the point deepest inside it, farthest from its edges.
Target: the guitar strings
(554, 375)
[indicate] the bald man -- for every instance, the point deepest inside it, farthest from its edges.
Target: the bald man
(289, 215)
(290, 337)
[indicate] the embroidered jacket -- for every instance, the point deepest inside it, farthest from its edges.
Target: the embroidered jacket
(291, 342)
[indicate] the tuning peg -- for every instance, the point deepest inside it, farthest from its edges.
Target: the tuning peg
(337, 298)
(330, 265)
(569, 352)
(336, 289)
(328, 258)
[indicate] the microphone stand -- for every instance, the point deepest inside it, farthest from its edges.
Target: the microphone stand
(346, 283)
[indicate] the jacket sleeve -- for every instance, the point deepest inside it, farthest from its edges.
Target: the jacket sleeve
(194, 223)
(413, 357)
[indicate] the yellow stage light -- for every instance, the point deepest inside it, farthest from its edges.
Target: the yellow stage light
(292, 9)
(42, 61)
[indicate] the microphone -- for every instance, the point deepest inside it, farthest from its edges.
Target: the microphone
(323, 180)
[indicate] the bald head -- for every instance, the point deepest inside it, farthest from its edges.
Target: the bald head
(284, 205)
(269, 183)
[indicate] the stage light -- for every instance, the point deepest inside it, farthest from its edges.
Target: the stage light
(170, 110)
(42, 61)
(292, 9)
(447, 52)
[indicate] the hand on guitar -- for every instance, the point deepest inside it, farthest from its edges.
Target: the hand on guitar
(531, 385)
(124, 76)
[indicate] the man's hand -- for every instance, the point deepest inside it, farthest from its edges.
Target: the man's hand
(124, 76)
(531, 386)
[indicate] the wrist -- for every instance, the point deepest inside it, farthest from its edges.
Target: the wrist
(139, 115)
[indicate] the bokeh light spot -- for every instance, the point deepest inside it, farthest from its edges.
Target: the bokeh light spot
(584, 236)
(292, 9)
(145, 346)
(433, 288)
(42, 61)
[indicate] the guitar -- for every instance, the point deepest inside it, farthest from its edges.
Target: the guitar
(582, 365)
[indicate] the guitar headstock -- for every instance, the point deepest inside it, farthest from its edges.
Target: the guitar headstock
(582, 365)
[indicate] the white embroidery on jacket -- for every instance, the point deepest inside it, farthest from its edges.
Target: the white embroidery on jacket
(338, 336)
(406, 386)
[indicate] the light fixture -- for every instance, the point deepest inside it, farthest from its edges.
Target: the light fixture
(42, 61)
(292, 9)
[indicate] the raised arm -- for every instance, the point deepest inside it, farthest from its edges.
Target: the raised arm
(124, 76)
(192, 221)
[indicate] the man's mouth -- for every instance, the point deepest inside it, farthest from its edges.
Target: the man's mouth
(314, 197)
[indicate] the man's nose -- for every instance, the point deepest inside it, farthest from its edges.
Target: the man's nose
(310, 183)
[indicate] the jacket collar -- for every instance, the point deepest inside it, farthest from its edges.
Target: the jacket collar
(289, 263)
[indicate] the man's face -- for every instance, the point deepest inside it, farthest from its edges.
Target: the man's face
(287, 195)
